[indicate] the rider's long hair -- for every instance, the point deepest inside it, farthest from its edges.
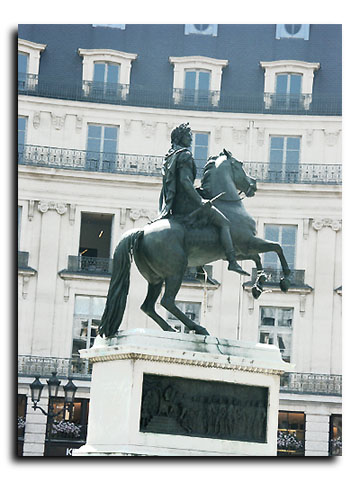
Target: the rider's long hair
(178, 132)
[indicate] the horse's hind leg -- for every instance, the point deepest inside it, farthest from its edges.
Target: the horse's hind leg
(148, 306)
(172, 286)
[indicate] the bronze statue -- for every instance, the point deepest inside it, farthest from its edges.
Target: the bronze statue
(195, 227)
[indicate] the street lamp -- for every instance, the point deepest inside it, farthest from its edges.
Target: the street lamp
(53, 387)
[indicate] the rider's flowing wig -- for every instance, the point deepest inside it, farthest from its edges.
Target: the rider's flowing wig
(178, 132)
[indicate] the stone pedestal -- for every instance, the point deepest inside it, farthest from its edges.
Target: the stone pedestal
(168, 394)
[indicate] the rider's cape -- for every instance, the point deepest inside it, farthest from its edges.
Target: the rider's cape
(168, 190)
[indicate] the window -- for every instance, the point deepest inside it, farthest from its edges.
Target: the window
(28, 63)
(291, 434)
(19, 224)
(191, 310)
(87, 315)
(200, 75)
(335, 444)
(101, 148)
(286, 236)
(288, 84)
(100, 69)
(201, 29)
(284, 158)
(22, 123)
(95, 242)
(197, 83)
(276, 329)
(200, 149)
(292, 30)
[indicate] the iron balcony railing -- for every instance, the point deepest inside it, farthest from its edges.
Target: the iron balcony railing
(89, 265)
(30, 365)
(138, 95)
(290, 382)
(311, 383)
(151, 165)
(297, 277)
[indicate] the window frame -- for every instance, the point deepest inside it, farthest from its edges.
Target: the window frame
(211, 30)
(292, 452)
(102, 154)
(303, 33)
(295, 67)
(196, 62)
(198, 161)
(289, 171)
(176, 323)
(281, 226)
(275, 329)
(92, 56)
(33, 50)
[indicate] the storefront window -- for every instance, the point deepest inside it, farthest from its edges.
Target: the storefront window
(291, 434)
(67, 432)
(335, 444)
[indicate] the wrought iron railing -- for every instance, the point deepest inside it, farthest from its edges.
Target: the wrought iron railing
(89, 265)
(138, 95)
(295, 173)
(313, 383)
(151, 165)
(297, 277)
(30, 365)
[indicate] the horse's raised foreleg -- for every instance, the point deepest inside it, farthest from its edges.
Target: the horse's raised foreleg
(172, 286)
(148, 306)
(258, 288)
(258, 245)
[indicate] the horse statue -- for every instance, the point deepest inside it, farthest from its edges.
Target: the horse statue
(164, 248)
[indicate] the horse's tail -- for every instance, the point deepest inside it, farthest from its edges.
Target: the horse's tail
(119, 284)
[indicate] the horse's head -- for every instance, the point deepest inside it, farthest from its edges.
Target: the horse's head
(242, 180)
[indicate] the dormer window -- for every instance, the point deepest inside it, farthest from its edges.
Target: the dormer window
(106, 73)
(292, 30)
(288, 84)
(201, 29)
(197, 80)
(28, 63)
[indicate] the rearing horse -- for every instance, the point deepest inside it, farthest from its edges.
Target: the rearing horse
(162, 250)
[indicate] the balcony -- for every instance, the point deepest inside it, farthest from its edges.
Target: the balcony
(151, 165)
(31, 365)
(297, 277)
(89, 265)
(138, 95)
(311, 383)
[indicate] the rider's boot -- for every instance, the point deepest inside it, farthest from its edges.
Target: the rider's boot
(233, 265)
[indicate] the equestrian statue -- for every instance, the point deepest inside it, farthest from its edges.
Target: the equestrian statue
(195, 226)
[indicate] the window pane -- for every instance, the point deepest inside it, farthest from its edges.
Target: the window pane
(110, 133)
(22, 63)
(293, 143)
(272, 233)
(82, 305)
(295, 84)
(281, 84)
(21, 130)
(98, 305)
(94, 131)
(99, 72)
(288, 235)
(113, 73)
(190, 79)
(268, 321)
(266, 337)
(204, 80)
(277, 143)
(201, 139)
(94, 145)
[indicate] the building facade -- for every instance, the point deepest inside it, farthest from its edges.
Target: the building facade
(96, 107)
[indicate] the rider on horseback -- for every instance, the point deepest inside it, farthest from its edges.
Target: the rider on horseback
(179, 196)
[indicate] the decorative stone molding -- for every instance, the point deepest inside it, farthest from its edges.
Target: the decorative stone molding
(306, 224)
(183, 361)
(239, 135)
(148, 128)
(136, 213)
(331, 137)
(72, 211)
(57, 121)
(31, 210)
(309, 136)
(66, 290)
(79, 119)
(218, 132)
(44, 206)
(122, 217)
(318, 224)
(36, 119)
(127, 126)
(260, 136)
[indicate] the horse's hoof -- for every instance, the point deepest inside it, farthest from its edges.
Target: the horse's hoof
(284, 284)
(261, 278)
(256, 292)
(202, 331)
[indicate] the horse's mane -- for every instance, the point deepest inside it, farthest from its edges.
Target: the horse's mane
(205, 181)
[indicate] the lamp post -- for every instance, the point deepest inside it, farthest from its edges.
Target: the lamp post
(53, 386)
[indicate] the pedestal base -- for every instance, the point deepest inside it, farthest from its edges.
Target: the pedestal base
(159, 393)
